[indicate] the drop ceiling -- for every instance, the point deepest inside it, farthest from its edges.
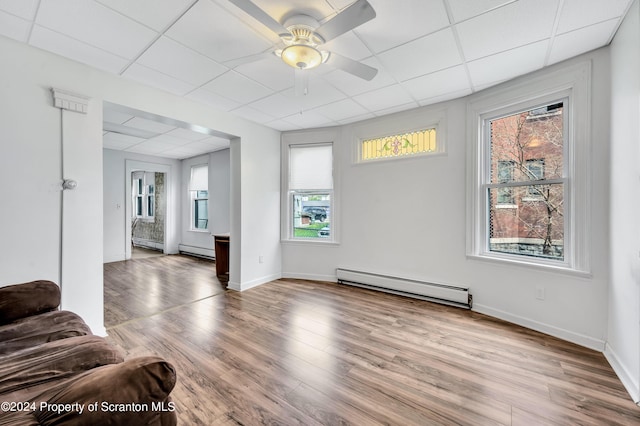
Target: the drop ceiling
(426, 51)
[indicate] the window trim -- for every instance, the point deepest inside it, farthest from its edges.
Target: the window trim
(409, 121)
(572, 85)
(309, 137)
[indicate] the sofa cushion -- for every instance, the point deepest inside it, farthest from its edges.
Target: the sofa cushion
(54, 361)
(38, 329)
(142, 383)
(26, 299)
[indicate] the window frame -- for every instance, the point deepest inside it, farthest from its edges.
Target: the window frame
(194, 198)
(142, 193)
(570, 85)
(302, 138)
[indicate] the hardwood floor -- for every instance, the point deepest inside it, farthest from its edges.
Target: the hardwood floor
(315, 353)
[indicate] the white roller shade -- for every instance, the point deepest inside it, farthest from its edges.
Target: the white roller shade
(199, 178)
(310, 167)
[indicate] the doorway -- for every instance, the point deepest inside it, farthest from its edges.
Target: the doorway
(149, 206)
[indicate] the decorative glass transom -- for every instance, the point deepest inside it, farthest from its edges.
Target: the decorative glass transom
(401, 145)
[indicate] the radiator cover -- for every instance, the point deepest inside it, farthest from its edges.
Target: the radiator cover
(439, 293)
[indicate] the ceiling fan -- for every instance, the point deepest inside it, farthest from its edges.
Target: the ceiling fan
(302, 37)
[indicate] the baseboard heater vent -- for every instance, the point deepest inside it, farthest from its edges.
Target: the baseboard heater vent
(439, 293)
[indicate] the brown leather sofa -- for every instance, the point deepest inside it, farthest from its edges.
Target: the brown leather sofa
(54, 371)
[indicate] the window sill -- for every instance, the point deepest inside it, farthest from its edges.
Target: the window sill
(546, 267)
(201, 231)
(317, 243)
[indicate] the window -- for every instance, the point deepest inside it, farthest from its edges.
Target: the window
(520, 144)
(143, 193)
(529, 146)
(199, 194)
(405, 144)
(310, 189)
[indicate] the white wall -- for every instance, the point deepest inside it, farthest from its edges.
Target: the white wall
(30, 153)
(408, 218)
(117, 195)
(623, 343)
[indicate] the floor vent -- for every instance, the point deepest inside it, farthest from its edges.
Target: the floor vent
(439, 293)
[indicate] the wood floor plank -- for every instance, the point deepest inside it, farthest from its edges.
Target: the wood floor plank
(317, 353)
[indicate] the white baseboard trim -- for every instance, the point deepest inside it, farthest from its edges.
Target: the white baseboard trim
(314, 277)
(630, 383)
(197, 251)
(570, 336)
(253, 283)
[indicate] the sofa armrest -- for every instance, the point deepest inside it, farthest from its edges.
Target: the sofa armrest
(23, 300)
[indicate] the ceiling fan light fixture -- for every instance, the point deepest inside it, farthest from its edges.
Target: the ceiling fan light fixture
(302, 56)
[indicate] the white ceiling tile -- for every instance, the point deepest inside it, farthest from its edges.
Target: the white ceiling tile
(398, 22)
(282, 125)
(356, 118)
(397, 108)
(309, 119)
(187, 134)
(176, 60)
(320, 92)
(516, 24)
(445, 97)
(509, 64)
(120, 141)
(235, 86)
(25, 9)
(95, 25)
(276, 105)
(148, 125)
(438, 83)
(270, 72)
(390, 96)
(352, 85)
(252, 114)
(580, 13)
(580, 41)
(341, 110)
(157, 14)
(151, 147)
(157, 79)
(14, 27)
(73, 49)
(213, 100)
(169, 141)
(110, 115)
(216, 33)
(465, 9)
(428, 54)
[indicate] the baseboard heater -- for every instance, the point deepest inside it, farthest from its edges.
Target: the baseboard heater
(439, 293)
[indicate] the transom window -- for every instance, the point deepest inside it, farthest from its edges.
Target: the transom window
(399, 145)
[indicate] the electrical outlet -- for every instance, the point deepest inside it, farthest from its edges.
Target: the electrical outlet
(261, 259)
(539, 292)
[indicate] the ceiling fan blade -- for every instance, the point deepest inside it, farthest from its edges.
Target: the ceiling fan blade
(352, 67)
(260, 16)
(351, 17)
